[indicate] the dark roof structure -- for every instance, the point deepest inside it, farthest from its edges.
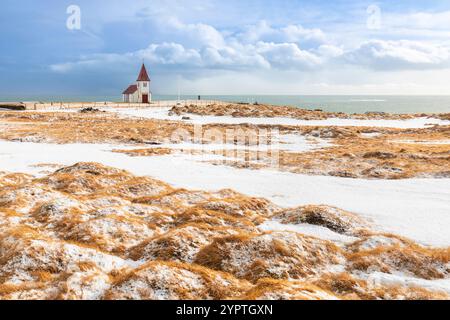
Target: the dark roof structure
(131, 89)
(143, 75)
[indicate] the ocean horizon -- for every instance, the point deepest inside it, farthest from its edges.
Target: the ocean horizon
(331, 103)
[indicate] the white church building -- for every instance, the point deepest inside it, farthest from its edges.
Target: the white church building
(139, 92)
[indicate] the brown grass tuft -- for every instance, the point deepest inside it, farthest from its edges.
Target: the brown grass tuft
(283, 255)
(271, 289)
(172, 280)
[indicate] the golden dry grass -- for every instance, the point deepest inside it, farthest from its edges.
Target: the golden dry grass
(286, 290)
(176, 280)
(275, 255)
(381, 157)
(418, 261)
(69, 234)
(146, 152)
(352, 154)
(264, 110)
(348, 287)
(180, 244)
(335, 219)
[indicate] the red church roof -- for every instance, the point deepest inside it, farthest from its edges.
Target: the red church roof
(131, 89)
(143, 75)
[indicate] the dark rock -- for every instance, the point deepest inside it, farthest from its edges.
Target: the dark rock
(13, 106)
(89, 110)
(342, 174)
(379, 155)
(376, 112)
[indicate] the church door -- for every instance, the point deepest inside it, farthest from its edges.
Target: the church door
(145, 98)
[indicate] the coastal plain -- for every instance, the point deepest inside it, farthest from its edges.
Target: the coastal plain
(159, 203)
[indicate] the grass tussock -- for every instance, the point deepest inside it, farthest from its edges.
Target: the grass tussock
(180, 244)
(335, 219)
(241, 206)
(8, 180)
(272, 289)
(348, 287)
(415, 260)
(278, 255)
(173, 280)
(216, 218)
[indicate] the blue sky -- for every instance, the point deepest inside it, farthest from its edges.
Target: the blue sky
(226, 47)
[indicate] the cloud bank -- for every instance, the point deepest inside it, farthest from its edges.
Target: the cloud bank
(264, 47)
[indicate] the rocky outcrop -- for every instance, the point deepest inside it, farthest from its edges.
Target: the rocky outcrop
(17, 106)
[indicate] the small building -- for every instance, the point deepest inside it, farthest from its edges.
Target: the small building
(139, 92)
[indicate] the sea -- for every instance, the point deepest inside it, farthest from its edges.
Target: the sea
(338, 103)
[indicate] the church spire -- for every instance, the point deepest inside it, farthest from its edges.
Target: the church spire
(143, 75)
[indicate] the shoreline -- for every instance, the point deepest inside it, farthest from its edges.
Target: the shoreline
(396, 104)
(180, 106)
(51, 105)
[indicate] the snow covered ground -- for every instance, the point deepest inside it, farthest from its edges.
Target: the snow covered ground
(285, 142)
(415, 208)
(308, 229)
(163, 114)
(401, 279)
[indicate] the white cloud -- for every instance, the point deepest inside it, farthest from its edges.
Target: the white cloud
(169, 54)
(329, 51)
(214, 50)
(287, 55)
(198, 47)
(204, 47)
(233, 55)
(89, 62)
(236, 56)
(402, 54)
(199, 34)
(291, 34)
(296, 33)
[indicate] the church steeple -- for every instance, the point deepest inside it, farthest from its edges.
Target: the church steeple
(143, 75)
